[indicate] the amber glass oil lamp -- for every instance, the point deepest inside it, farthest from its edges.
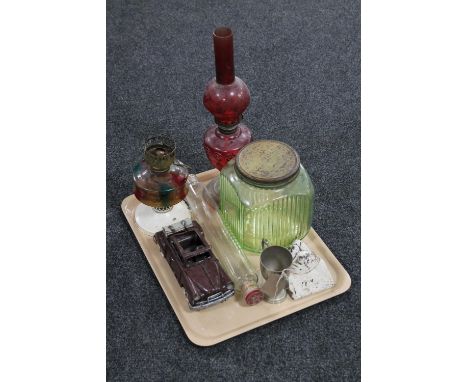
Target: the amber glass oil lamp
(226, 97)
(159, 184)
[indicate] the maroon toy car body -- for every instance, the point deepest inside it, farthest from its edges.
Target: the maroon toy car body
(195, 267)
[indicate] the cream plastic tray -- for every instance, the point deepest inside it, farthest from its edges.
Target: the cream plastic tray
(231, 318)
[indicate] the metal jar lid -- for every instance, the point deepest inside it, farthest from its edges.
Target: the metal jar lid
(267, 163)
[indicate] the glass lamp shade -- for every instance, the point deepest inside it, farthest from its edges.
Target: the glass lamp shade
(159, 184)
(226, 102)
(226, 96)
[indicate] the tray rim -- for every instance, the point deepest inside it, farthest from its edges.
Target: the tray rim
(342, 285)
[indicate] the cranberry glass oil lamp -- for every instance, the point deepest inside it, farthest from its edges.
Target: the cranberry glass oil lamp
(226, 97)
(159, 184)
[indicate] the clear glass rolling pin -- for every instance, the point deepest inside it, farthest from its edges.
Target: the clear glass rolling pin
(228, 252)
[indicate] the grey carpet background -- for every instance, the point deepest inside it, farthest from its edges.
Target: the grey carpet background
(301, 61)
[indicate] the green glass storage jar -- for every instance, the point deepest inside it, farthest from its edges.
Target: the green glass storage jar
(265, 193)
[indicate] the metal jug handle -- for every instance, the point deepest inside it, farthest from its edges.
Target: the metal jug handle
(265, 243)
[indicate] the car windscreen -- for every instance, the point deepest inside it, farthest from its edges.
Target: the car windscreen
(189, 241)
(198, 258)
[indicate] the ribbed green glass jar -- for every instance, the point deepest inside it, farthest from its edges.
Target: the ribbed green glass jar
(265, 193)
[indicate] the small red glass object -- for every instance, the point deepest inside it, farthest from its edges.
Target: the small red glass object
(222, 147)
(226, 97)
